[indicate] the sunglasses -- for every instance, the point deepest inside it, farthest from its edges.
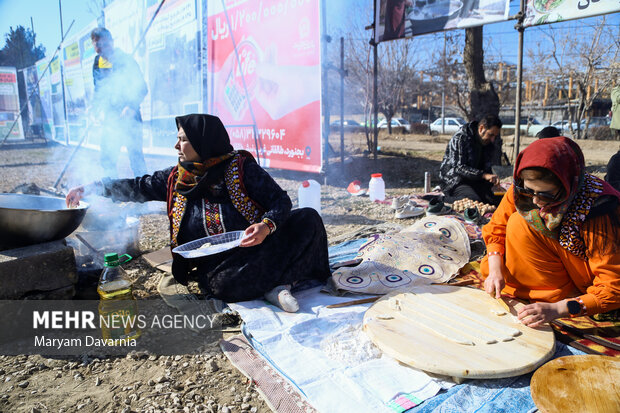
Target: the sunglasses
(543, 196)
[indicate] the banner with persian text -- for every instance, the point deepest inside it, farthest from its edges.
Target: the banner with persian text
(405, 18)
(9, 105)
(265, 78)
(551, 11)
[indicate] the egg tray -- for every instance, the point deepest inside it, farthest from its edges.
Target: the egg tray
(462, 204)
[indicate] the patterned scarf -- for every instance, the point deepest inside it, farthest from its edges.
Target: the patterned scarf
(190, 173)
(564, 222)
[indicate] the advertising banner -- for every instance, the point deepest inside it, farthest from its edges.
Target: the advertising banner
(32, 91)
(125, 20)
(58, 108)
(87, 57)
(45, 94)
(9, 105)
(405, 18)
(173, 74)
(265, 72)
(551, 11)
(75, 96)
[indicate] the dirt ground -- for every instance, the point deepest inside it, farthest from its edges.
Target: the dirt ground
(205, 382)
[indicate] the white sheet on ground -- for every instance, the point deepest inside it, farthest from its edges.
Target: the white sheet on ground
(316, 349)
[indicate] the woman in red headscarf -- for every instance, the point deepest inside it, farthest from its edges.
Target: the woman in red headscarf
(554, 238)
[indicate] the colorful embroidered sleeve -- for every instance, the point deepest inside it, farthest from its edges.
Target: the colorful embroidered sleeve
(263, 189)
(140, 189)
(494, 233)
(603, 292)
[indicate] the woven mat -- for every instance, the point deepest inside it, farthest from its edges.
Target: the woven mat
(278, 392)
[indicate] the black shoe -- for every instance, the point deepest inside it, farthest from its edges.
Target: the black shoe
(472, 215)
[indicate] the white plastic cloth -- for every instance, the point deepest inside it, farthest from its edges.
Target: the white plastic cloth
(315, 349)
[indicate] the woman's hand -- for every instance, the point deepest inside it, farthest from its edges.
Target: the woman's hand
(73, 197)
(537, 314)
(494, 283)
(255, 234)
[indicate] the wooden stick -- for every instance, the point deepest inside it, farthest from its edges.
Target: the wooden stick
(503, 304)
(457, 283)
(354, 302)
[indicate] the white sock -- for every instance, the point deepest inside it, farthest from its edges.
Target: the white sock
(282, 297)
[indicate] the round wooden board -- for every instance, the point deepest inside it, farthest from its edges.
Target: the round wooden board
(581, 384)
(458, 332)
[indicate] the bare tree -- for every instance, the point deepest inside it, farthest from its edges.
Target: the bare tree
(397, 83)
(482, 96)
(587, 63)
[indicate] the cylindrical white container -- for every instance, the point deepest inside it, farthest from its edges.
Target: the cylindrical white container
(427, 182)
(309, 195)
(376, 188)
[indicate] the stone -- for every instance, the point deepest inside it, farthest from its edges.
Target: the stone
(47, 267)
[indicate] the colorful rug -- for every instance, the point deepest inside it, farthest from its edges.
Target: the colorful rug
(279, 393)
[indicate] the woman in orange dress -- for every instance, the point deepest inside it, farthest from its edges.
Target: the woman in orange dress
(554, 238)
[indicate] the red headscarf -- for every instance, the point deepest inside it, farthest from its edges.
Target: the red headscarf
(562, 220)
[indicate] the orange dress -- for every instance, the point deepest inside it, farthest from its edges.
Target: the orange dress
(539, 269)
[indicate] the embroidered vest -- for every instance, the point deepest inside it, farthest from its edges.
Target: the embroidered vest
(233, 178)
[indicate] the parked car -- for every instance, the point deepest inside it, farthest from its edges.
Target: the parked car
(452, 125)
(529, 126)
(596, 121)
(350, 125)
(564, 125)
(396, 122)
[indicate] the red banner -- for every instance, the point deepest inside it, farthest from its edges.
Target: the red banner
(8, 78)
(258, 76)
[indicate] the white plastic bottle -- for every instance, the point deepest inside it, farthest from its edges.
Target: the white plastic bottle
(376, 188)
(309, 195)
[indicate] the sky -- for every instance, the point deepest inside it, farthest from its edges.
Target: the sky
(46, 18)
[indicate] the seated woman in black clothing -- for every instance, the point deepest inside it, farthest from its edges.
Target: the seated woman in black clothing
(215, 189)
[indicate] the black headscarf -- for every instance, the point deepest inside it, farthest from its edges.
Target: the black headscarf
(206, 133)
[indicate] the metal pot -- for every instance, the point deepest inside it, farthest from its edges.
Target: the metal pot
(32, 219)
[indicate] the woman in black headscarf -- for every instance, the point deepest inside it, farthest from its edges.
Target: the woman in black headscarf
(215, 189)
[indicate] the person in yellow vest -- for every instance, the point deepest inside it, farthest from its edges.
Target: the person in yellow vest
(119, 90)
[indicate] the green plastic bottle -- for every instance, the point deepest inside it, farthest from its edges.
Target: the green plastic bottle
(118, 309)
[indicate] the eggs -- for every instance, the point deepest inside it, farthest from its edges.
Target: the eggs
(462, 204)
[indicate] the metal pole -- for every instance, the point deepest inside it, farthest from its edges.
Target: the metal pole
(375, 99)
(324, 90)
(135, 49)
(443, 91)
(34, 37)
(342, 74)
(519, 27)
(62, 77)
(257, 141)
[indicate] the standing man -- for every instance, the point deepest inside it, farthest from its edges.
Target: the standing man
(119, 90)
(465, 171)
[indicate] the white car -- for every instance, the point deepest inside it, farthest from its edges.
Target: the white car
(564, 125)
(452, 125)
(396, 122)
